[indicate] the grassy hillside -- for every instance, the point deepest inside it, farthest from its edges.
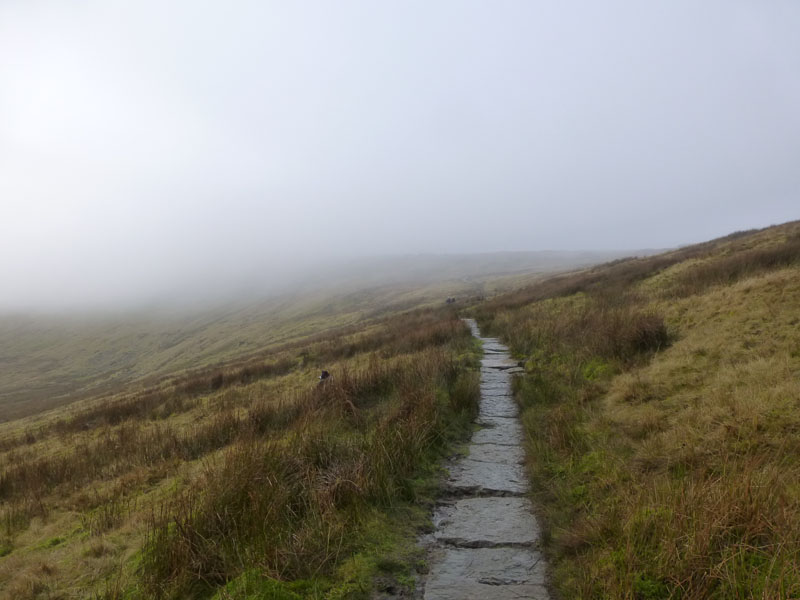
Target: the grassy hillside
(47, 362)
(246, 479)
(662, 403)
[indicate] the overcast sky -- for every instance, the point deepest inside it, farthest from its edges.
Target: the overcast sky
(144, 144)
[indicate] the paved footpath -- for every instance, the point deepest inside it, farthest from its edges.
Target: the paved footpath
(486, 541)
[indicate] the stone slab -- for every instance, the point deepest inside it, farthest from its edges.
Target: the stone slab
(498, 398)
(496, 384)
(483, 478)
(494, 347)
(496, 392)
(489, 375)
(499, 362)
(495, 453)
(495, 376)
(498, 430)
(488, 566)
(475, 591)
(486, 523)
(497, 422)
(502, 407)
(489, 381)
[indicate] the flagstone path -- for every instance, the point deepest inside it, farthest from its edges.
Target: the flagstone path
(486, 540)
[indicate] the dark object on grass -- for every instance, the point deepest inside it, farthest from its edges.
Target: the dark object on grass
(324, 376)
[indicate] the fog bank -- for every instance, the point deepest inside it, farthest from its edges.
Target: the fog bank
(149, 150)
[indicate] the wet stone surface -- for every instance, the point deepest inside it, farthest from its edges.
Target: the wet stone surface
(499, 407)
(485, 544)
(484, 478)
(496, 454)
(473, 573)
(505, 431)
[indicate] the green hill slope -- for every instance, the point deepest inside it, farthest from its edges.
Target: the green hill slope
(662, 401)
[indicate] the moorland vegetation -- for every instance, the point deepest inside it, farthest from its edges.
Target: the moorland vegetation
(662, 406)
(246, 480)
(661, 402)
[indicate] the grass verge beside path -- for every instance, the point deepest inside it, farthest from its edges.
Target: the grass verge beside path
(248, 481)
(300, 514)
(663, 422)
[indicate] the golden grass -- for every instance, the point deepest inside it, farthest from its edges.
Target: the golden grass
(670, 471)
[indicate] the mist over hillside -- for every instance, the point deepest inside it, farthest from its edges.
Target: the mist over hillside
(52, 357)
(246, 250)
(140, 161)
(648, 387)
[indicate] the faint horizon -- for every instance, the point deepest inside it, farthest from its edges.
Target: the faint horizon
(327, 275)
(147, 148)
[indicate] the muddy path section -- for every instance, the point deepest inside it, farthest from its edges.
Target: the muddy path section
(486, 540)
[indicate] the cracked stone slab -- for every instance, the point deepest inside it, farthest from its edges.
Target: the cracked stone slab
(486, 574)
(482, 478)
(487, 523)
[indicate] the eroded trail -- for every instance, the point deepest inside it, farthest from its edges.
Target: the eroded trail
(486, 540)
